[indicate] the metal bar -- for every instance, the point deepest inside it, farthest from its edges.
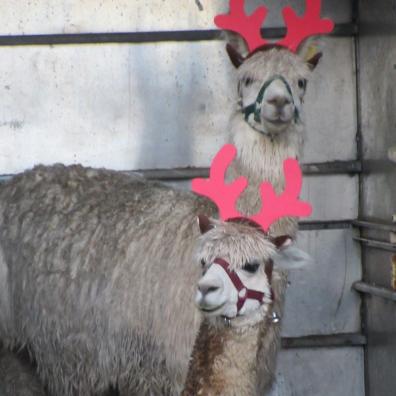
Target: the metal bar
(325, 168)
(373, 243)
(340, 30)
(325, 225)
(332, 168)
(374, 226)
(325, 341)
(372, 290)
(110, 38)
(173, 174)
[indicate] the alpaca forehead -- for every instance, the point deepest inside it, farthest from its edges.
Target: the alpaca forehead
(266, 63)
(238, 243)
(236, 253)
(226, 238)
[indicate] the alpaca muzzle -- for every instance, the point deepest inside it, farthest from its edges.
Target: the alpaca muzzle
(244, 293)
(252, 112)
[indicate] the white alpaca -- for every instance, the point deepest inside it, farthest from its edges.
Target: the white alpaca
(263, 146)
(267, 124)
(235, 350)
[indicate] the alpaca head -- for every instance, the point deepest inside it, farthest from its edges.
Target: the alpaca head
(247, 252)
(272, 78)
(271, 86)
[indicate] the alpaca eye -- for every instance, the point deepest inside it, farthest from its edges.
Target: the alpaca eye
(248, 81)
(302, 83)
(203, 263)
(251, 267)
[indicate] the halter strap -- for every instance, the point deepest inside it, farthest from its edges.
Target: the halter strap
(255, 108)
(243, 292)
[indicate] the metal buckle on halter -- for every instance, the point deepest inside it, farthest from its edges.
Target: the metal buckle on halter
(275, 317)
(227, 321)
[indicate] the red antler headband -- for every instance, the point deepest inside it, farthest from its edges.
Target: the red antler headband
(225, 196)
(298, 28)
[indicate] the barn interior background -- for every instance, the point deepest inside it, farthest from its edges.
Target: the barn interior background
(146, 85)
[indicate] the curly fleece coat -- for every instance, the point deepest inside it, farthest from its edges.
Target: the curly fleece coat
(97, 279)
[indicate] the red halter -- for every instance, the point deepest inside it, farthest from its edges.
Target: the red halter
(243, 292)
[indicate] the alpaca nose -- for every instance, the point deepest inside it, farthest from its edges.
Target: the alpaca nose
(207, 288)
(279, 101)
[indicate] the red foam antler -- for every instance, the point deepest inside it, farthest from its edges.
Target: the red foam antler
(223, 195)
(287, 204)
(298, 28)
(274, 207)
(247, 26)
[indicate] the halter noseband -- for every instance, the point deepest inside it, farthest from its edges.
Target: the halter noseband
(252, 112)
(243, 292)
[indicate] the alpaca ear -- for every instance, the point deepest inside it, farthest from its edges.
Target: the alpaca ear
(204, 223)
(282, 241)
(310, 51)
(235, 57)
(314, 60)
(290, 258)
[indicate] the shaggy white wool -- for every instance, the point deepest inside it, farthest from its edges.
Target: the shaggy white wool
(100, 278)
(234, 242)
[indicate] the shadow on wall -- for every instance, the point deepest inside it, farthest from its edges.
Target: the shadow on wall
(176, 93)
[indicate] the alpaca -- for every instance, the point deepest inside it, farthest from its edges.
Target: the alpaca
(234, 357)
(93, 264)
(267, 126)
(261, 152)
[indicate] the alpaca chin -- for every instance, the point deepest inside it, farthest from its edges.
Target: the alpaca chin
(274, 128)
(242, 322)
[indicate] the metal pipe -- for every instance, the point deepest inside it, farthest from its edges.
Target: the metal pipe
(373, 243)
(372, 290)
(340, 30)
(324, 168)
(173, 174)
(325, 225)
(374, 226)
(325, 341)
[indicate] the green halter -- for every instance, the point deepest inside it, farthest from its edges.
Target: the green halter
(255, 108)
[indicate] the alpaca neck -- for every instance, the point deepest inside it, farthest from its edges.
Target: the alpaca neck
(260, 158)
(224, 360)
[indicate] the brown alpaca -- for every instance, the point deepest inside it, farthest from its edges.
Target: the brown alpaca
(235, 357)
